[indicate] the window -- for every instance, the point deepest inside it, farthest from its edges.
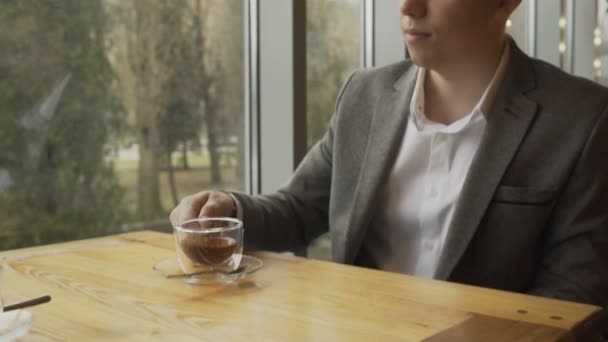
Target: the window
(112, 110)
(516, 26)
(600, 43)
(569, 34)
(333, 38)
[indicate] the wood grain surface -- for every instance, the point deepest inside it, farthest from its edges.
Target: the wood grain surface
(105, 289)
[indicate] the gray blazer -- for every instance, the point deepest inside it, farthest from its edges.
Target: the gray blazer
(533, 213)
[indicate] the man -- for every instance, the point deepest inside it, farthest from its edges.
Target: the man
(471, 163)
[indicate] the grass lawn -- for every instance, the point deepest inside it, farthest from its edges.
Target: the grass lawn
(194, 179)
(189, 181)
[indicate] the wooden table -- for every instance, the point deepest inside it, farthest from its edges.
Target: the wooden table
(106, 289)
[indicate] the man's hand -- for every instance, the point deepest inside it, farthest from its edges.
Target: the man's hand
(204, 203)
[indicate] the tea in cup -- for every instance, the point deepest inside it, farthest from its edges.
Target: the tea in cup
(209, 244)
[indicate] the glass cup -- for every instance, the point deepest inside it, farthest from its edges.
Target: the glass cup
(209, 244)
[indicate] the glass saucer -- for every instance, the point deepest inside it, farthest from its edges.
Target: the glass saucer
(15, 324)
(169, 268)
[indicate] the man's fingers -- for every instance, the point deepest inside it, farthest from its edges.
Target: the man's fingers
(188, 208)
(210, 204)
(219, 204)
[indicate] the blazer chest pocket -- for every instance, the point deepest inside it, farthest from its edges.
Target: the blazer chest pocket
(523, 195)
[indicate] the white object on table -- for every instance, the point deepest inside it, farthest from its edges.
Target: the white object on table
(15, 324)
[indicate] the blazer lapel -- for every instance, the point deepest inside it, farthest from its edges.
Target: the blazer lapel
(508, 122)
(386, 133)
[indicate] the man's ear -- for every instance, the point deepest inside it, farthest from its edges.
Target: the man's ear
(510, 5)
(506, 7)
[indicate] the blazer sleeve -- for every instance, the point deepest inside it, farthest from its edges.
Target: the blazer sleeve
(298, 212)
(574, 263)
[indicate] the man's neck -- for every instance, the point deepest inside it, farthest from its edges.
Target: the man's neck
(452, 91)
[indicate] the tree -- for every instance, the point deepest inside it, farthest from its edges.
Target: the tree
(179, 125)
(61, 186)
(333, 52)
(226, 41)
(148, 36)
(174, 61)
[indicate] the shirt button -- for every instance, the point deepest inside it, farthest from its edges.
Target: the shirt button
(433, 194)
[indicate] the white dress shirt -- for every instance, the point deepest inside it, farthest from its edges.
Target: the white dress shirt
(417, 202)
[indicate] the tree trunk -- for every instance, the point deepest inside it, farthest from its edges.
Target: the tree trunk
(210, 100)
(171, 176)
(148, 194)
(149, 55)
(212, 139)
(185, 165)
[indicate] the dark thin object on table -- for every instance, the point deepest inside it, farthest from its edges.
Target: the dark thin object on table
(28, 303)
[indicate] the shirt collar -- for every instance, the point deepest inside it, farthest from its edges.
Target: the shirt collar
(479, 112)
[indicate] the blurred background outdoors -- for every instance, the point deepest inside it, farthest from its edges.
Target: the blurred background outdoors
(112, 110)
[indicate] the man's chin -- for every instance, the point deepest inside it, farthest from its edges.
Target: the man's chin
(419, 59)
